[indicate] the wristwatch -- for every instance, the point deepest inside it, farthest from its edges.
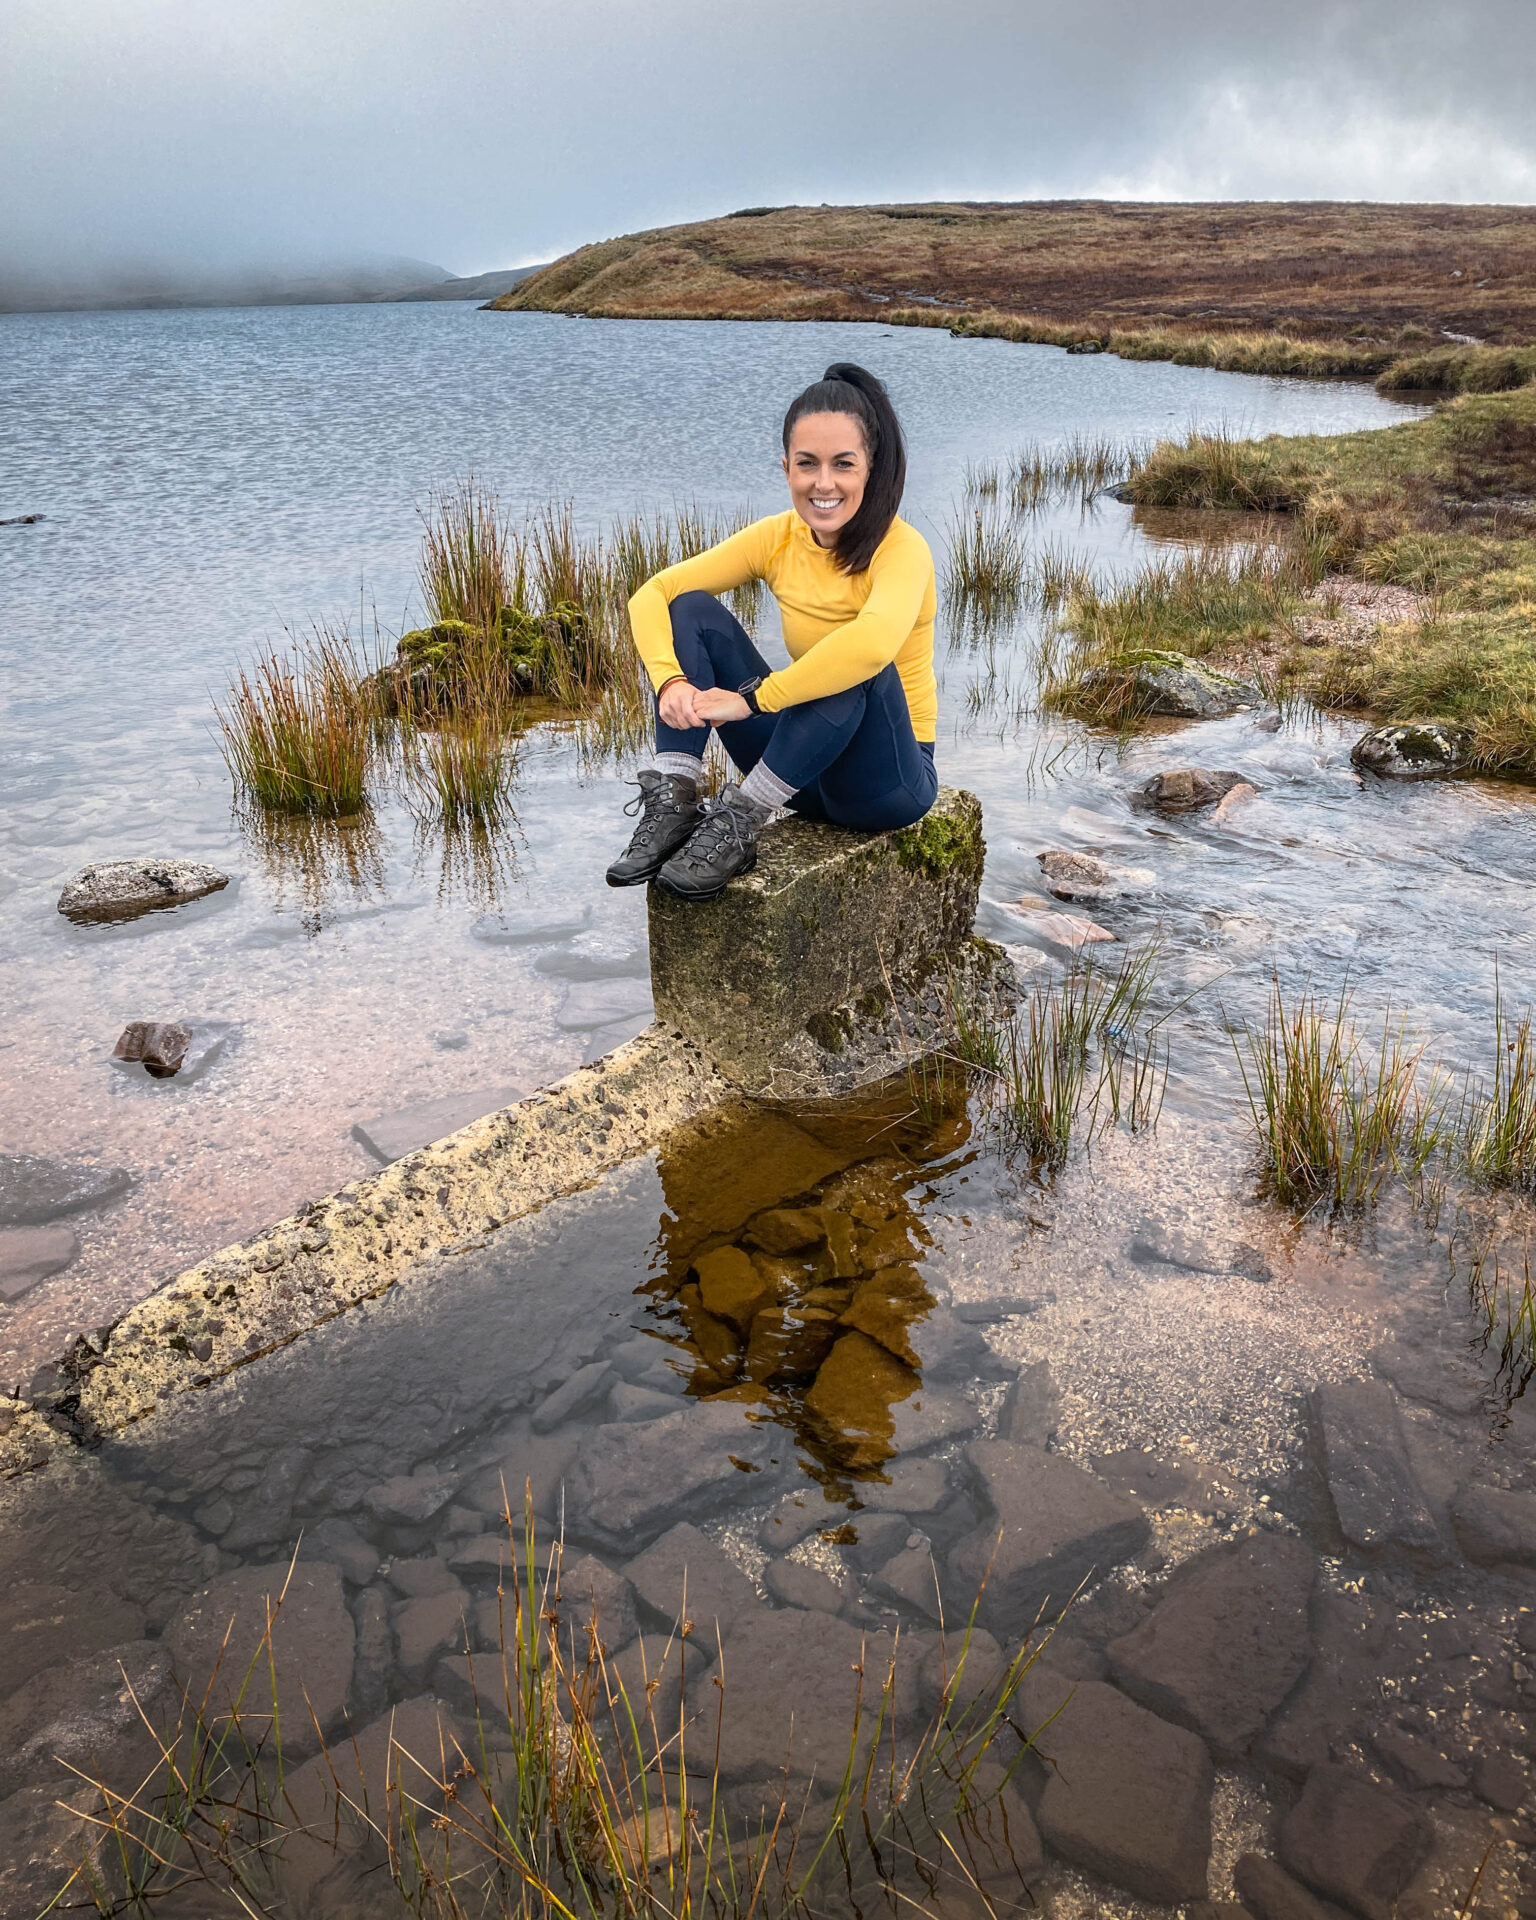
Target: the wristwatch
(748, 691)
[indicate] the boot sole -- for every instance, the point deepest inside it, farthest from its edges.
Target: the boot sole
(690, 894)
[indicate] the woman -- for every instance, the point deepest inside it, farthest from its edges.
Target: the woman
(845, 732)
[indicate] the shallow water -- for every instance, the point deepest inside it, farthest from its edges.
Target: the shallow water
(211, 478)
(218, 475)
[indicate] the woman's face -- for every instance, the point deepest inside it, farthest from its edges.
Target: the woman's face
(827, 467)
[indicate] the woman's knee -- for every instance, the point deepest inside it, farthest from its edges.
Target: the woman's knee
(691, 611)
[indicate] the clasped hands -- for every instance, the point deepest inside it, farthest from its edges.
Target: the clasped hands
(684, 706)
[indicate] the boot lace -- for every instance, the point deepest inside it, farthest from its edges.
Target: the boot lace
(722, 823)
(653, 805)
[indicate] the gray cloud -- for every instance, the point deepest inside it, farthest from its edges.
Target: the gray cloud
(149, 136)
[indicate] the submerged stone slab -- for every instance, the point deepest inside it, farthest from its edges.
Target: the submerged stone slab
(1226, 1644)
(787, 979)
(1380, 1507)
(34, 1191)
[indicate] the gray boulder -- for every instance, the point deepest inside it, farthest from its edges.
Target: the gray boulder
(1184, 789)
(1419, 750)
(122, 889)
(1170, 683)
(1085, 876)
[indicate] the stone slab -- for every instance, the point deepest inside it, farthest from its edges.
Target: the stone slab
(1128, 1796)
(1495, 1526)
(351, 1245)
(89, 1714)
(1058, 1526)
(1223, 1648)
(109, 890)
(686, 1577)
(391, 1136)
(768, 978)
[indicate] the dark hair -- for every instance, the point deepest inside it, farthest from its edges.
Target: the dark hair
(845, 388)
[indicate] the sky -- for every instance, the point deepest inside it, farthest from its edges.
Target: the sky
(141, 139)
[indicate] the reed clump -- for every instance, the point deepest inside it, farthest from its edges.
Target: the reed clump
(295, 733)
(1217, 468)
(1334, 1118)
(1499, 1130)
(986, 569)
(1031, 1066)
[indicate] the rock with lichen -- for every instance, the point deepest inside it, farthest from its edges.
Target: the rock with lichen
(1419, 750)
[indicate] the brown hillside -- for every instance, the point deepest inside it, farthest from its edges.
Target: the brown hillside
(1311, 270)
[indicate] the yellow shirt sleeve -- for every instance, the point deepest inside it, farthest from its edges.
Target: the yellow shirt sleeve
(743, 557)
(901, 574)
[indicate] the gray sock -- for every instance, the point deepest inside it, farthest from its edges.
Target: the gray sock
(680, 766)
(766, 790)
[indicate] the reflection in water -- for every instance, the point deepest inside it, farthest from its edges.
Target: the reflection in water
(786, 1272)
(320, 861)
(475, 864)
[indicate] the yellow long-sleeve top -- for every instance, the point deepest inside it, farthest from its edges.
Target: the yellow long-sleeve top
(840, 628)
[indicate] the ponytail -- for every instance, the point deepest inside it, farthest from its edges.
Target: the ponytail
(845, 388)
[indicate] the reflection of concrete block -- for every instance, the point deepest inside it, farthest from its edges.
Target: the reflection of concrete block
(393, 1135)
(786, 979)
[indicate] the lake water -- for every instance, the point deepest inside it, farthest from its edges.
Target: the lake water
(1210, 1382)
(210, 479)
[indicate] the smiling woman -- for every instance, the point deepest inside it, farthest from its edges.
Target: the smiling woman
(845, 732)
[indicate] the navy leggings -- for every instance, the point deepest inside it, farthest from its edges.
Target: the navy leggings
(851, 757)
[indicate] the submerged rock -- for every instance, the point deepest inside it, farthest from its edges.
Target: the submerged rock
(1419, 750)
(1129, 1796)
(1354, 1841)
(1167, 683)
(161, 1046)
(1496, 1527)
(1084, 876)
(1226, 1643)
(31, 1254)
(224, 1629)
(34, 1191)
(122, 889)
(1381, 1510)
(1183, 789)
(1058, 1525)
(391, 1136)
(685, 1576)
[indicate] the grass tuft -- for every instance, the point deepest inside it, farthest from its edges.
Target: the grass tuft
(296, 731)
(1333, 1119)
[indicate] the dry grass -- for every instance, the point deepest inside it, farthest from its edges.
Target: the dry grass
(1234, 285)
(296, 733)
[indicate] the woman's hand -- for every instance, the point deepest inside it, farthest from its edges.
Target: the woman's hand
(675, 703)
(717, 704)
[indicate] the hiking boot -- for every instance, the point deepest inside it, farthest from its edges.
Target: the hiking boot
(669, 809)
(723, 845)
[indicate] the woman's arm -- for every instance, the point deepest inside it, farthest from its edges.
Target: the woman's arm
(732, 563)
(900, 579)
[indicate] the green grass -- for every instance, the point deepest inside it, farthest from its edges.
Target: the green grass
(1460, 370)
(1031, 1067)
(1500, 1123)
(1440, 505)
(472, 563)
(986, 570)
(1335, 1118)
(297, 730)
